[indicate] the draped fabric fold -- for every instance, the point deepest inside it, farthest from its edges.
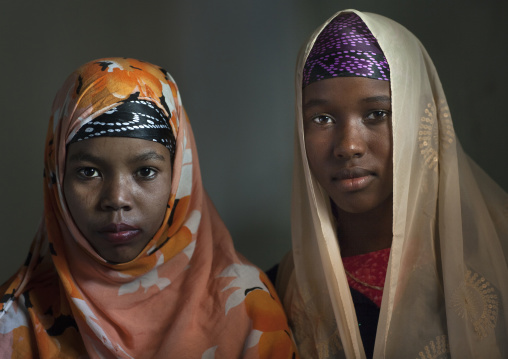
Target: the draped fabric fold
(188, 294)
(446, 289)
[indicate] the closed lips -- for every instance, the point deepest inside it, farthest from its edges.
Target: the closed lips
(117, 227)
(350, 173)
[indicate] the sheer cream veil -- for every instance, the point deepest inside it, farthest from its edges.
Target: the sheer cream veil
(446, 290)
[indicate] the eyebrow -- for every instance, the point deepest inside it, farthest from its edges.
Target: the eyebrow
(319, 101)
(381, 98)
(314, 102)
(88, 157)
(147, 156)
(83, 157)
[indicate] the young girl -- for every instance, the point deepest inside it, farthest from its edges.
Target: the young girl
(400, 241)
(131, 259)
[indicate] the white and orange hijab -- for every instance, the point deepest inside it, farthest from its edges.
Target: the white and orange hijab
(188, 294)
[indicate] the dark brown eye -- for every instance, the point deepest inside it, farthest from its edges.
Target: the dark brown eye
(146, 172)
(89, 172)
(322, 119)
(378, 116)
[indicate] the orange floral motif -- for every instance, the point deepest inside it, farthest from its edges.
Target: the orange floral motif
(68, 302)
(269, 324)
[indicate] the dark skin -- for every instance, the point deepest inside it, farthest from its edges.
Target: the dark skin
(117, 190)
(348, 139)
(356, 237)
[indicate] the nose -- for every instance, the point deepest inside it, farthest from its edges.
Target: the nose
(116, 194)
(350, 140)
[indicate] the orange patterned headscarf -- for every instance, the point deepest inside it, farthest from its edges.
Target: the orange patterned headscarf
(188, 294)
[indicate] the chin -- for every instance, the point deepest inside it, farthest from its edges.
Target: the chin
(354, 209)
(118, 258)
(362, 205)
(352, 206)
(356, 204)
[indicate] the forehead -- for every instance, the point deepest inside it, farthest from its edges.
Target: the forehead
(114, 149)
(345, 87)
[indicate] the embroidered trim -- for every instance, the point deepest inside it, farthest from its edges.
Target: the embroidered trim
(363, 283)
(436, 349)
(428, 136)
(325, 340)
(446, 125)
(476, 300)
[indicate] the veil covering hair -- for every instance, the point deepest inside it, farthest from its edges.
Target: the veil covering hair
(446, 288)
(188, 294)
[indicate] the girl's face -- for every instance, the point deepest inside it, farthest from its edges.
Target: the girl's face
(348, 139)
(117, 190)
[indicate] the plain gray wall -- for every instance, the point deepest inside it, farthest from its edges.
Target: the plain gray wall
(234, 63)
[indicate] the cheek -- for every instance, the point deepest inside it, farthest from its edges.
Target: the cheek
(316, 149)
(71, 198)
(157, 200)
(384, 149)
(76, 205)
(80, 197)
(160, 206)
(381, 146)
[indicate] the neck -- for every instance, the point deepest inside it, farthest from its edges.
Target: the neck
(360, 233)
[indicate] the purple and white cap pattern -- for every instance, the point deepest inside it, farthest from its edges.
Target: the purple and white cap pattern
(345, 47)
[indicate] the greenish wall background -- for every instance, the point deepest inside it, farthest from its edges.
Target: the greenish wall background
(234, 63)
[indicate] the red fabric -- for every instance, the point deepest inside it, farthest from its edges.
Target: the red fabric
(369, 268)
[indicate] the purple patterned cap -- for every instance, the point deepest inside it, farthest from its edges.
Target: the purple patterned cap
(345, 48)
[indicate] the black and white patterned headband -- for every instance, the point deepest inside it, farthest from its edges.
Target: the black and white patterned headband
(133, 118)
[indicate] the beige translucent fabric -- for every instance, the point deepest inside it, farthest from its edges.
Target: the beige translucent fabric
(446, 290)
